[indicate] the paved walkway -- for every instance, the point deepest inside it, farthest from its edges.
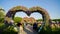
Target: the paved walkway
(29, 30)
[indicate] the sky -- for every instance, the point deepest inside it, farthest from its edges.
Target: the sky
(52, 7)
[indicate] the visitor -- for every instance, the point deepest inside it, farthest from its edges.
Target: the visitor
(20, 28)
(35, 26)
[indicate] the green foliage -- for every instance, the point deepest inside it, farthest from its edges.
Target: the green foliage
(55, 19)
(6, 31)
(49, 31)
(43, 31)
(39, 19)
(17, 19)
(1, 20)
(2, 13)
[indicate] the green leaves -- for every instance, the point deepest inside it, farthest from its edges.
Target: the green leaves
(2, 14)
(17, 19)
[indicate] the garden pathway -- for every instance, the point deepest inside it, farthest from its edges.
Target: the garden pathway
(29, 30)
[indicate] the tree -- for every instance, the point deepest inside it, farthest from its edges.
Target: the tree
(39, 19)
(2, 14)
(17, 19)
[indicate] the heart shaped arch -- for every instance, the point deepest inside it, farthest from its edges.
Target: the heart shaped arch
(43, 12)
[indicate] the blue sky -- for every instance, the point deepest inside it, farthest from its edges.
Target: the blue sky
(52, 6)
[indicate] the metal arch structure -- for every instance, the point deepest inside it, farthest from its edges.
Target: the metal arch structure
(42, 11)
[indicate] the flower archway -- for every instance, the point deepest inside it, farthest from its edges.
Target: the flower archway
(11, 13)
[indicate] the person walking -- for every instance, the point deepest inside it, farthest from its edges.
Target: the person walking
(20, 28)
(35, 26)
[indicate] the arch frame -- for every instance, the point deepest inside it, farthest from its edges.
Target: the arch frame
(43, 12)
